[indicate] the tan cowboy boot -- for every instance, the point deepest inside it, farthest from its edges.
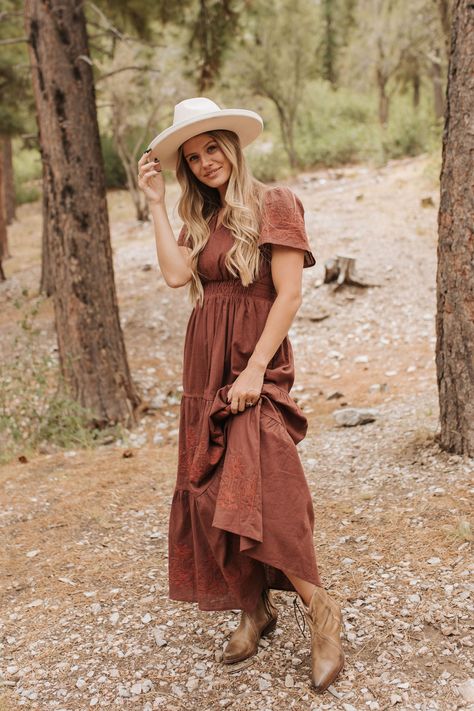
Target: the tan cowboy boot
(243, 642)
(325, 620)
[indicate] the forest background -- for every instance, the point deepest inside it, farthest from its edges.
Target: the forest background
(353, 94)
(336, 81)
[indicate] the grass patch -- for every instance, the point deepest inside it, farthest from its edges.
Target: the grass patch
(35, 408)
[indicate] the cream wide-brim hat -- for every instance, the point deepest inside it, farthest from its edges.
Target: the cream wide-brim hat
(198, 115)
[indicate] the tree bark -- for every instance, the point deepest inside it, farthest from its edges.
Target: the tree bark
(90, 340)
(455, 277)
(10, 200)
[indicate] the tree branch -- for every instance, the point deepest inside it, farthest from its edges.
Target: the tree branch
(106, 20)
(126, 69)
(14, 40)
(5, 15)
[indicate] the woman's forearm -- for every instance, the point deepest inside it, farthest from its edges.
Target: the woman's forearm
(279, 319)
(170, 257)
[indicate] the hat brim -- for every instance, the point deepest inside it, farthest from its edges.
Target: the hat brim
(246, 124)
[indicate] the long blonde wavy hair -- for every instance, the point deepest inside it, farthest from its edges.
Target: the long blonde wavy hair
(242, 214)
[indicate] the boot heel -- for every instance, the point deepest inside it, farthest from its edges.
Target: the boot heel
(269, 628)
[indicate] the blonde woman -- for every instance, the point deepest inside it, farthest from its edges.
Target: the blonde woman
(241, 520)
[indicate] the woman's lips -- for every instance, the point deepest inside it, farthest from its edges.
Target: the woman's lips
(211, 175)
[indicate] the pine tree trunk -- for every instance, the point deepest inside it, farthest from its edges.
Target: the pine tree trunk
(10, 200)
(90, 339)
(455, 278)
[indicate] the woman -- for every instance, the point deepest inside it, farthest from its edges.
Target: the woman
(241, 520)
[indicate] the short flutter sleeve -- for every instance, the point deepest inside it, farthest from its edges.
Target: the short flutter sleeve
(283, 222)
(182, 237)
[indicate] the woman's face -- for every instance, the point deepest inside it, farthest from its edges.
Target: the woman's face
(206, 160)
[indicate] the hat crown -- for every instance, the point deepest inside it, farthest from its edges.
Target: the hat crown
(190, 109)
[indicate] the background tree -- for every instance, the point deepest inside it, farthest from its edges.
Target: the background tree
(91, 349)
(140, 76)
(336, 19)
(215, 26)
(388, 37)
(445, 10)
(455, 278)
(137, 91)
(14, 104)
(277, 63)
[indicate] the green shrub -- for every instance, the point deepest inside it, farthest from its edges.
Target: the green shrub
(410, 131)
(334, 127)
(26, 193)
(268, 163)
(341, 126)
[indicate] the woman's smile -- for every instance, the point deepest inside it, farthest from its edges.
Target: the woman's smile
(212, 173)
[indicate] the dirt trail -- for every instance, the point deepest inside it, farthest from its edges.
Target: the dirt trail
(85, 618)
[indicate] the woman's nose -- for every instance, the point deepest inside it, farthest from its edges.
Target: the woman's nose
(206, 161)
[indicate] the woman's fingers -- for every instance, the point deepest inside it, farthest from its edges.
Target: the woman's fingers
(145, 164)
(151, 172)
(239, 402)
(150, 166)
(144, 158)
(235, 406)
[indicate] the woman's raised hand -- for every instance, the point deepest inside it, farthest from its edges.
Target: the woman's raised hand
(150, 179)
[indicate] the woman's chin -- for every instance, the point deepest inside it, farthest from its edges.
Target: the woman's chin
(215, 183)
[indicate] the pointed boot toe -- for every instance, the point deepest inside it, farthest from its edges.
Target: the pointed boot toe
(327, 655)
(243, 642)
(327, 670)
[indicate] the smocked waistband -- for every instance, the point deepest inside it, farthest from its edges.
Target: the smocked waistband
(233, 288)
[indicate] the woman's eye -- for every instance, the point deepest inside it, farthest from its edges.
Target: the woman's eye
(211, 148)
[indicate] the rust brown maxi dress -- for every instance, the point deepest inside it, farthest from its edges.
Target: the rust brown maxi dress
(241, 510)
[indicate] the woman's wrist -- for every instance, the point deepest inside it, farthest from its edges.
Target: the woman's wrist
(257, 362)
(157, 207)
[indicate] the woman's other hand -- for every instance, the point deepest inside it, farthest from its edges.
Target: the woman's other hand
(246, 388)
(150, 180)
